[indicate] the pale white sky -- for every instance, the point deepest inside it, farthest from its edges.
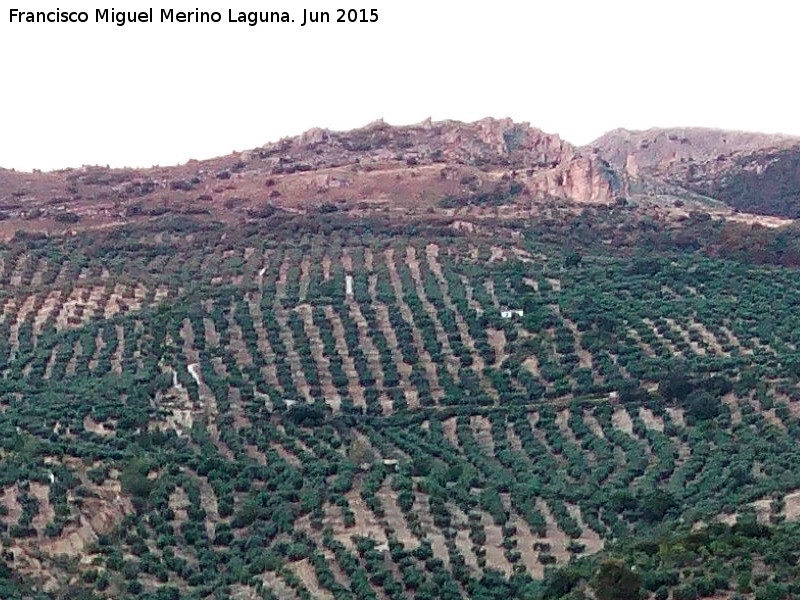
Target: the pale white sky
(139, 95)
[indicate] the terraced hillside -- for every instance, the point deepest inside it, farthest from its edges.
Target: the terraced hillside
(193, 410)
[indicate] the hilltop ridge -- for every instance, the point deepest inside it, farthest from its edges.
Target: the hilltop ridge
(751, 172)
(487, 163)
(445, 168)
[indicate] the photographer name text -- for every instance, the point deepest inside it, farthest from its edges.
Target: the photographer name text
(121, 18)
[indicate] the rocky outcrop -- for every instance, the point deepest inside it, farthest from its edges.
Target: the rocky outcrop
(652, 150)
(763, 182)
(486, 142)
(751, 172)
(415, 167)
(548, 165)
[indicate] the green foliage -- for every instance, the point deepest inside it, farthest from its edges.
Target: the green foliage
(572, 259)
(134, 480)
(702, 405)
(409, 411)
(615, 581)
(655, 504)
(676, 386)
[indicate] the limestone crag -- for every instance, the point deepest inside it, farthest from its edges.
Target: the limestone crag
(751, 172)
(545, 163)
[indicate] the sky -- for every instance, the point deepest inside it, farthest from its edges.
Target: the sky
(161, 93)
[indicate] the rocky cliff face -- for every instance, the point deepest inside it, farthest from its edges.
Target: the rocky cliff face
(765, 181)
(545, 163)
(655, 149)
(751, 172)
(475, 166)
(496, 142)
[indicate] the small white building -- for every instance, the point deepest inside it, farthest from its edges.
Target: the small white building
(508, 313)
(348, 285)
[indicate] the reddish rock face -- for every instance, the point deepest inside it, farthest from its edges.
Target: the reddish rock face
(412, 168)
(546, 164)
(751, 172)
(500, 142)
(477, 166)
(656, 148)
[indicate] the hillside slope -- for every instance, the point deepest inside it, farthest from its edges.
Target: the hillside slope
(750, 172)
(656, 147)
(388, 365)
(194, 410)
(379, 167)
